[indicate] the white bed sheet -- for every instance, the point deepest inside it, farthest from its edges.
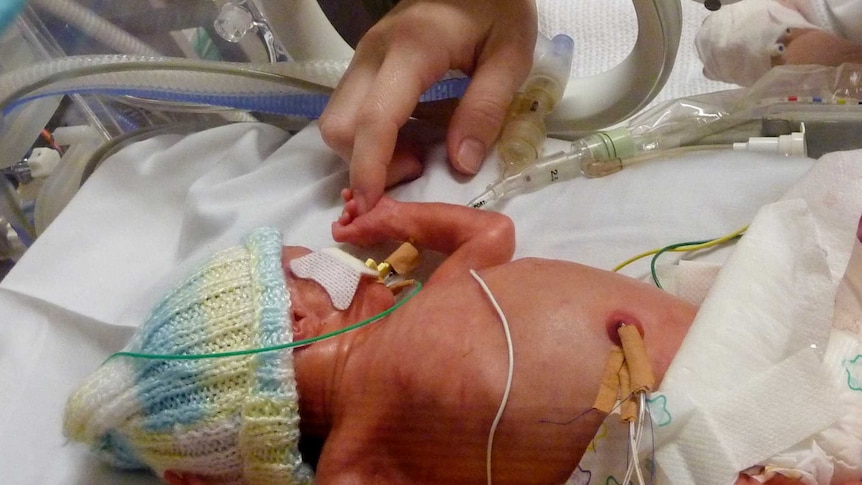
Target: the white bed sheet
(159, 205)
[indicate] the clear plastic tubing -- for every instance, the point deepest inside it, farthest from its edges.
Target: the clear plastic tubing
(95, 26)
(554, 167)
(598, 155)
(114, 73)
(291, 88)
(594, 156)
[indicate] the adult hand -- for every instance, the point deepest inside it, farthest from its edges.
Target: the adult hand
(402, 56)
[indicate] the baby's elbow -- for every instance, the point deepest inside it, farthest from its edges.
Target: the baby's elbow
(501, 233)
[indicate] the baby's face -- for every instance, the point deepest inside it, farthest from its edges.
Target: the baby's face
(310, 297)
(306, 296)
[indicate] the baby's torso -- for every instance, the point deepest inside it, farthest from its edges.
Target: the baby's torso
(441, 365)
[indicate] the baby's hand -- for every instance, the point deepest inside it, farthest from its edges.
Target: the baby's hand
(361, 229)
(404, 54)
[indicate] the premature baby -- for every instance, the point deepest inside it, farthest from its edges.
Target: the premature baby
(409, 399)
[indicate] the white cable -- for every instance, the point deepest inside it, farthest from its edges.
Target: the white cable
(633, 459)
(508, 377)
(641, 415)
(635, 433)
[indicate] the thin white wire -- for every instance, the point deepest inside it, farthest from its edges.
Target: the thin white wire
(641, 415)
(635, 434)
(508, 377)
(633, 458)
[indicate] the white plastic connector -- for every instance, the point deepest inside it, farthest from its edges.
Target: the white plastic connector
(70, 135)
(43, 161)
(11, 246)
(793, 145)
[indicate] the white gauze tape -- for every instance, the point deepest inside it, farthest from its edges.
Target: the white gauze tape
(335, 270)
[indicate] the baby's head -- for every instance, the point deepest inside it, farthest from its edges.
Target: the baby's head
(224, 419)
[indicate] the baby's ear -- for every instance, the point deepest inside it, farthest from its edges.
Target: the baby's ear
(304, 323)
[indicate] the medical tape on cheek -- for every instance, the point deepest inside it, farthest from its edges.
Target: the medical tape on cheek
(609, 387)
(637, 359)
(335, 270)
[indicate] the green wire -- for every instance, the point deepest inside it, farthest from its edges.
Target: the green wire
(666, 249)
(691, 246)
(289, 345)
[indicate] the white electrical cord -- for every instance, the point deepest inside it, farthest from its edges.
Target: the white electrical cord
(508, 377)
(635, 433)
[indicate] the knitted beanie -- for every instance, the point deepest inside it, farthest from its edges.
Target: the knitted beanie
(226, 419)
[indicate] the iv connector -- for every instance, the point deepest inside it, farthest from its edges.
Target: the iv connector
(521, 141)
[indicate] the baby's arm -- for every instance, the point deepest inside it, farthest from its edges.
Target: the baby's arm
(473, 239)
(815, 46)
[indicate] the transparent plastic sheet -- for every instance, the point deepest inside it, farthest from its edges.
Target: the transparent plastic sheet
(792, 93)
(26, 42)
(54, 31)
(831, 92)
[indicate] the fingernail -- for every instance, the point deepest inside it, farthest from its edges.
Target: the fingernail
(471, 154)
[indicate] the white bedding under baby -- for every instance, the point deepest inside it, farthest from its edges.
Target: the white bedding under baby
(158, 205)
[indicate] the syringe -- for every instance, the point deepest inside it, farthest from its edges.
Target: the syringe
(596, 155)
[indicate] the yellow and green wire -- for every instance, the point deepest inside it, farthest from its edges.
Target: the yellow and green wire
(679, 247)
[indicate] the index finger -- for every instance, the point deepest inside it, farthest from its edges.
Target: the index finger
(406, 72)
